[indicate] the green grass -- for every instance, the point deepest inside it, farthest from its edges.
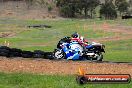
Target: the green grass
(119, 51)
(60, 28)
(46, 39)
(19, 80)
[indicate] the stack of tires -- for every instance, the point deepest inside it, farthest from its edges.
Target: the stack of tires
(49, 55)
(4, 51)
(14, 52)
(27, 54)
(10, 52)
(38, 54)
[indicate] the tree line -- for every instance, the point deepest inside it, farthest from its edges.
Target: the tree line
(88, 8)
(109, 9)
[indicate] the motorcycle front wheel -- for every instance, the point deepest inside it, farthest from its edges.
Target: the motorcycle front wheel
(58, 54)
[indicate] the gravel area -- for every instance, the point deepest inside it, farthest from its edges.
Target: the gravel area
(41, 66)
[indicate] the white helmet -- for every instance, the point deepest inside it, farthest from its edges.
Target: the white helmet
(82, 38)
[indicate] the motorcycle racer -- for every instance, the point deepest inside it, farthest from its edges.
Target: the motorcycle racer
(76, 38)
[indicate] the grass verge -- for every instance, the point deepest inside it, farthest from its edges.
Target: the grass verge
(17, 80)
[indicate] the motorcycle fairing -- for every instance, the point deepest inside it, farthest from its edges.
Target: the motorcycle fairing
(71, 53)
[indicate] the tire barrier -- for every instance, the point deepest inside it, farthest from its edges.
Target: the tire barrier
(38, 54)
(49, 55)
(4, 51)
(27, 54)
(14, 52)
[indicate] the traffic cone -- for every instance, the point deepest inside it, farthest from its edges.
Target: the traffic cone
(81, 71)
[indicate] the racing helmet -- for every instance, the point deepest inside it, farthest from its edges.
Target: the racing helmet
(82, 38)
(75, 35)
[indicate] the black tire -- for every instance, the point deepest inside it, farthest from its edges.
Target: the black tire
(4, 52)
(38, 54)
(100, 58)
(14, 52)
(49, 55)
(58, 54)
(27, 54)
(38, 51)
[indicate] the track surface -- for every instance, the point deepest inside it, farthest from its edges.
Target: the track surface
(41, 66)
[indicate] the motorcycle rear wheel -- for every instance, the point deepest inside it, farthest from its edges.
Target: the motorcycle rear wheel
(99, 57)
